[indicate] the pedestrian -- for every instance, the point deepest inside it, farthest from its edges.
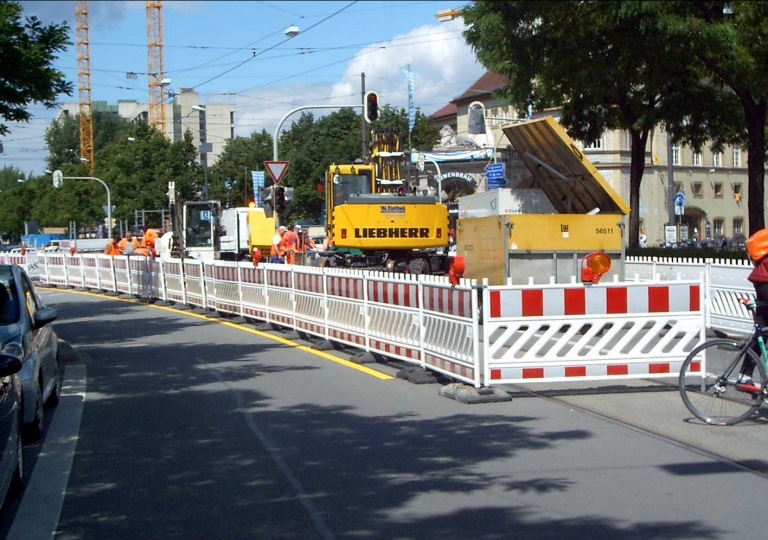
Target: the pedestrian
(129, 244)
(277, 253)
(113, 246)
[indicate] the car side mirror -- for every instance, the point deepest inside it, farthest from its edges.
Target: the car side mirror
(45, 315)
(9, 365)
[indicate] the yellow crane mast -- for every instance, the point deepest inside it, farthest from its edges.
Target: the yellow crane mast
(156, 64)
(84, 83)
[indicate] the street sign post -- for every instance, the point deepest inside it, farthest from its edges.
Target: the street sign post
(494, 176)
(277, 169)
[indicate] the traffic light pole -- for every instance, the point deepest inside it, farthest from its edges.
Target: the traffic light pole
(289, 113)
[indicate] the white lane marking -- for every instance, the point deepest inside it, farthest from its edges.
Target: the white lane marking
(40, 508)
(306, 501)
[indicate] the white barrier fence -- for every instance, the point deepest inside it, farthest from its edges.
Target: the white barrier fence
(725, 283)
(518, 334)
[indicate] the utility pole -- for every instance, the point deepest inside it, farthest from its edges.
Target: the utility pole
(362, 116)
(670, 186)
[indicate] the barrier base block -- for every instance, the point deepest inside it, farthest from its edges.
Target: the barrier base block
(182, 307)
(364, 357)
(212, 314)
(327, 345)
(417, 375)
(293, 335)
(163, 303)
(240, 320)
(471, 395)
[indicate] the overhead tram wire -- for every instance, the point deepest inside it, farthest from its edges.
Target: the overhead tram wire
(270, 48)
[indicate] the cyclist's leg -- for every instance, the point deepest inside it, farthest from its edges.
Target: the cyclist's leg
(761, 318)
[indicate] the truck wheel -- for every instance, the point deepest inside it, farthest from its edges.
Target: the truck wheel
(418, 266)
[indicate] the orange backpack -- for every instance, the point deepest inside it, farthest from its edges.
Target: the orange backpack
(757, 245)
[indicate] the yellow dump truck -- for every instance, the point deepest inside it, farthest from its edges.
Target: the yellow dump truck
(561, 210)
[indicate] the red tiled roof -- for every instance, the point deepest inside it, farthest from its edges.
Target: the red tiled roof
(487, 84)
(448, 110)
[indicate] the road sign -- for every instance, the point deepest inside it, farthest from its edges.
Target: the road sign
(106, 209)
(277, 169)
(494, 174)
(496, 183)
(679, 199)
(495, 167)
(679, 210)
(58, 178)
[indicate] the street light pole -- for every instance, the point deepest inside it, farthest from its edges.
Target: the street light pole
(109, 198)
(289, 113)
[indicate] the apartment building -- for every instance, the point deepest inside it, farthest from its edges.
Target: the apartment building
(714, 183)
(211, 122)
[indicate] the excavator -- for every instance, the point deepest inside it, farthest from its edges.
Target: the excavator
(374, 220)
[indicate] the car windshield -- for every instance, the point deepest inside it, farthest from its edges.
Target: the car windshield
(9, 301)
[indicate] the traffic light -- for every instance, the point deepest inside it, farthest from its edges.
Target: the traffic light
(267, 200)
(280, 200)
(371, 106)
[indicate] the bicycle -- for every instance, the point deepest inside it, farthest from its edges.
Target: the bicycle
(721, 398)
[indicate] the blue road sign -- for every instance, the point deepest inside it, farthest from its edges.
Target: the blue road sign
(679, 199)
(495, 167)
(494, 174)
(494, 183)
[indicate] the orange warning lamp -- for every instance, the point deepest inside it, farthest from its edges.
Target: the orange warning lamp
(251, 204)
(256, 255)
(593, 266)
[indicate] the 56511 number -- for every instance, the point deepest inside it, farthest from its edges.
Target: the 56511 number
(604, 230)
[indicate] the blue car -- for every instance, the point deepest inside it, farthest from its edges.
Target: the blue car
(26, 333)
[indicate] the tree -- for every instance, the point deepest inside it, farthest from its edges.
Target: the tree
(63, 136)
(230, 178)
(424, 135)
(26, 72)
(600, 62)
(728, 38)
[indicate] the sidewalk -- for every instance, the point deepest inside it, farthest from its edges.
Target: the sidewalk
(656, 407)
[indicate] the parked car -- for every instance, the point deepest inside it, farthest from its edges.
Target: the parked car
(26, 333)
(11, 453)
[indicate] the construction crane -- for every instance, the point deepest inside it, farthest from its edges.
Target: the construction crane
(156, 65)
(84, 83)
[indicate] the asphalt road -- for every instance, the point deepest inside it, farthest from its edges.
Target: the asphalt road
(191, 428)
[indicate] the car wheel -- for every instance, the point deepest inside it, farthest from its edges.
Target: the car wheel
(35, 428)
(17, 483)
(53, 399)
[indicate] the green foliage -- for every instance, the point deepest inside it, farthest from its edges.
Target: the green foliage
(26, 72)
(425, 134)
(63, 137)
(229, 180)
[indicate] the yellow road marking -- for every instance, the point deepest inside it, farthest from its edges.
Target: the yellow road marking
(321, 354)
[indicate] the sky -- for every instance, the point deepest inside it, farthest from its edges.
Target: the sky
(238, 52)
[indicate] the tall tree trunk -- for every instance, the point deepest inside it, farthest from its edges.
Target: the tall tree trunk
(637, 168)
(756, 118)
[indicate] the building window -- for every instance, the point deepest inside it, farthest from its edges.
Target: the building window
(596, 145)
(737, 193)
(678, 187)
(736, 155)
(717, 224)
(738, 226)
(718, 190)
(696, 159)
(675, 154)
(717, 159)
(696, 189)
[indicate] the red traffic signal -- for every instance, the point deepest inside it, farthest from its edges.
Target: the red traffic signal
(371, 106)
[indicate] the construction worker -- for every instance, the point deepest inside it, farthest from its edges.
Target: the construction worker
(129, 239)
(148, 241)
(113, 246)
(277, 253)
(289, 240)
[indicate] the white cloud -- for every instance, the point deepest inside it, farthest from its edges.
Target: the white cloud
(444, 64)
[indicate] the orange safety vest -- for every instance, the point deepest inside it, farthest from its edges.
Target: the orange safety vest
(124, 242)
(111, 248)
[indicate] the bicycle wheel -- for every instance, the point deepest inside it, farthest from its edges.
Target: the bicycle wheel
(713, 394)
